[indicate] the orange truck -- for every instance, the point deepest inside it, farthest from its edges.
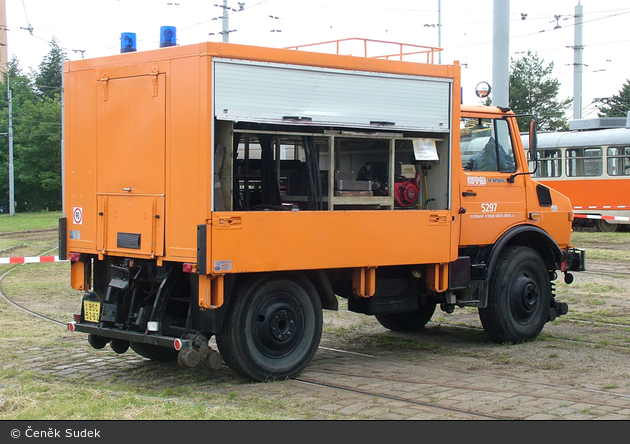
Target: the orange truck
(232, 191)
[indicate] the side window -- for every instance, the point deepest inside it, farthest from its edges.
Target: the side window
(618, 161)
(486, 145)
(549, 163)
(582, 162)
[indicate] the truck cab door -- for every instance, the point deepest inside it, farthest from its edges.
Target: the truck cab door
(490, 203)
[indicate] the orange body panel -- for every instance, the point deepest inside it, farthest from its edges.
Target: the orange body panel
(327, 239)
(172, 99)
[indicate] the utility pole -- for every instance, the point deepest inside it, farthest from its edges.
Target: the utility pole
(11, 180)
(440, 30)
(4, 65)
(577, 62)
(4, 52)
(501, 54)
(224, 21)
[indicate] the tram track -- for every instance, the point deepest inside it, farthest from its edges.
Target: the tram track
(440, 323)
(410, 383)
(482, 391)
(364, 384)
(20, 307)
(428, 405)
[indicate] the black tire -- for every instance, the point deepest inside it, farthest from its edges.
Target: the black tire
(119, 346)
(97, 342)
(154, 352)
(273, 327)
(410, 321)
(519, 297)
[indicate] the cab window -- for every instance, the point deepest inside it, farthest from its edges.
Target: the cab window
(486, 145)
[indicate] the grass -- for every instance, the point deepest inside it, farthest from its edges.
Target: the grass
(35, 383)
(46, 398)
(107, 386)
(29, 221)
(587, 238)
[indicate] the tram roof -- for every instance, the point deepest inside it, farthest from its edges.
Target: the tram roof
(574, 139)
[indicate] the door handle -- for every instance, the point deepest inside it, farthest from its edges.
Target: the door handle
(469, 193)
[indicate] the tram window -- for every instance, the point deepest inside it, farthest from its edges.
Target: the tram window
(549, 163)
(618, 161)
(583, 162)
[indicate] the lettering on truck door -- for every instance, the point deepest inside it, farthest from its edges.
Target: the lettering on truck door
(491, 203)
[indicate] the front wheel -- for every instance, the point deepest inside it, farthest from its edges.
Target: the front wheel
(519, 296)
(273, 327)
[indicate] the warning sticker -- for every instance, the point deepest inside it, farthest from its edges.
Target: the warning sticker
(77, 215)
(222, 265)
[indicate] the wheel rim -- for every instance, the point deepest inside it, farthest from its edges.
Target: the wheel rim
(278, 324)
(606, 227)
(525, 298)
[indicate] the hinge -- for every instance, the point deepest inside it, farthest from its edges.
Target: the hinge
(104, 83)
(154, 81)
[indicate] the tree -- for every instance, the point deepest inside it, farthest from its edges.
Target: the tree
(48, 79)
(38, 136)
(22, 93)
(618, 105)
(532, 91)
(36, 112)
(38, 171)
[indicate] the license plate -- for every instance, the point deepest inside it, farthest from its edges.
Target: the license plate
(91, 311)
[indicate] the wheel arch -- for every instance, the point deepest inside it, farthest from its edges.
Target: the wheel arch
(528, 236)
(523, 235)
(317, 278)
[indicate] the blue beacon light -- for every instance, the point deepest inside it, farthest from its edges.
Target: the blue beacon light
(168, 36)
(127, 42)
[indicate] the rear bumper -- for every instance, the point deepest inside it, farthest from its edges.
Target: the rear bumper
(113, 333)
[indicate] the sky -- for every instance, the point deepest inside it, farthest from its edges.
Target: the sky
(463, 29)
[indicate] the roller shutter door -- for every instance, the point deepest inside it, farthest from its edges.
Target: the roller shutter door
(273, 93)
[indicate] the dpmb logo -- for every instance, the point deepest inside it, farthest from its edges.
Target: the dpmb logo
(77, 215)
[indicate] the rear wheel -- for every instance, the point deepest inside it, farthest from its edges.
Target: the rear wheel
(519, 296)
(154, 352)
(273, 328)
(410, 321)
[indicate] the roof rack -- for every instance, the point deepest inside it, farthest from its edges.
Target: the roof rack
(392, 50)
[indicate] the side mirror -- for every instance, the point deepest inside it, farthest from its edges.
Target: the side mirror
(533, 140)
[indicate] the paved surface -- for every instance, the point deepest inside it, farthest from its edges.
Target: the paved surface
(366, 387)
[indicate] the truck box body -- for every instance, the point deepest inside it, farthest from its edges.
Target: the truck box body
(230, 190)
(143, 160)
